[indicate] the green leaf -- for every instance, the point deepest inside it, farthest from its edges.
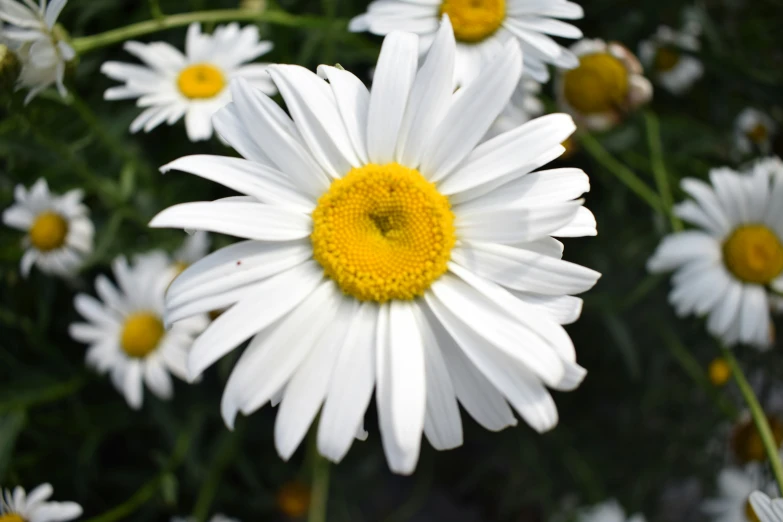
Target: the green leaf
(11, 425)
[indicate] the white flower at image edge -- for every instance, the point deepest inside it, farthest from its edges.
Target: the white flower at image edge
(171, 85)
(728, 268)
(17, 506)
(59, 233)
(482, 28)
(735, 486)
(766, 509)
(126, 333)
(33, 37)
(387, 249)
(609, 511)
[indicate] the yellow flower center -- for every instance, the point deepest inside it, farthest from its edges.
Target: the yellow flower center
(598, 84)
(141, 334)
(48, 231)
(11, 517)
(200, 81)
(750, 513)
(293, 499)
(758, 134)
(666, 59)
(746, 441)
(753, 253)
(474, 20)
(719, 372)
(383, 232)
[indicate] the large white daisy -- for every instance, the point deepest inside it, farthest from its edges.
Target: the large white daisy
(481, 28)
(38, 44)
(171, 85)
(729, 266)
(668, 54)
(765, 508)
(386, 248)
(609, 511)
(735, 486)
(17, 506)
(59, 231)
(125, 329)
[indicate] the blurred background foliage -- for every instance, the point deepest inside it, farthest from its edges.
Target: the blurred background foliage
(646, 426)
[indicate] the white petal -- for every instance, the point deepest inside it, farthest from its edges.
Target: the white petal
(582, 225)
(682, 247)
(157, 378)
(515, 225)
(353, 102)
(132, 384)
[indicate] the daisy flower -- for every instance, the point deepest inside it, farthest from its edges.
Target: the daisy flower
(668, 54)
(125, 329)
(735, 486)
(606, 85)
(59, 231)
(753, 131)
(40, 46)
(17, 506)
(765, 508)
(385, 248)
(609, 511)
(746, 443)
(523, 106)
(727, 268)
(481, 28)
(171, 85)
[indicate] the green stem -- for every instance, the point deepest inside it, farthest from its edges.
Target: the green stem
(226, 449)
(47, 395)
(759, 417)
(626, 176)
(319, 488)
(90, 43)
(659, 168)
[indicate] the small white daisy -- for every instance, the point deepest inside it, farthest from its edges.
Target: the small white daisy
(669, 55)
(387, 247)
(729, 267)
(59, 230)
(194, 85)
(39, 45)
(753, 131)
(523, 106)
(21, 507)
(481, 28)
(609, 511)
(765, 508)
(125, 329)
(607, 84)
(215, 518)
(735, 486)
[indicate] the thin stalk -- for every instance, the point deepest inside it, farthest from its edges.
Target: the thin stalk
(319, 486)
(759, 417)
(90, 43)
(225, 452)
(659, 168)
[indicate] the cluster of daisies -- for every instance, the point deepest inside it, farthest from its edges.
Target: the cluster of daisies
(400, 242)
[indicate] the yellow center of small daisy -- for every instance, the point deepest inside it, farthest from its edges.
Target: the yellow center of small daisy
(719, 372)
(666, 59)
(746, 441)
(598, 84)
(750, 513)
(141, 334)
(200, 81)
(48, 231)
(754, 254)
(11, 517)
(474, 20)
(383, 232)
(758, 134)
(293, 499)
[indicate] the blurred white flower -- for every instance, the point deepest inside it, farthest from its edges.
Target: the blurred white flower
(59, 230)
(171, 85)
(765, 508)
(666, 55)
(609, 511)
(481, 28)
(194, 247)
(523, 106)
(735, 486)
(753, 131)
(351, 278)
(607, 84)
(17, 506)
(729, 267)
(40, 47)
(126, 332)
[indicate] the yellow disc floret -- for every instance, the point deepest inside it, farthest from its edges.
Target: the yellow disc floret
(598, 84)
(383, 232)
(750, 513)
(666, 59)
(719, 372)
(758, 134)
(746, 441)
(11, 517)
(200, 81)
(49, 231)
(474, 20)
(754, 254)
(293, 499)
(141, 334)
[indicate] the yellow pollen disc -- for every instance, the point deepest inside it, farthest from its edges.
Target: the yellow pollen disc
(750, 513)
(383, 232)
(48, 231)
(746, 441)
(719, 372)
(758, 134)
(141, 334)
(598, 84)
(200, 81)
(293, 499)
(666, 59)
(474, 20)
(11, 517)
(754, 254)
